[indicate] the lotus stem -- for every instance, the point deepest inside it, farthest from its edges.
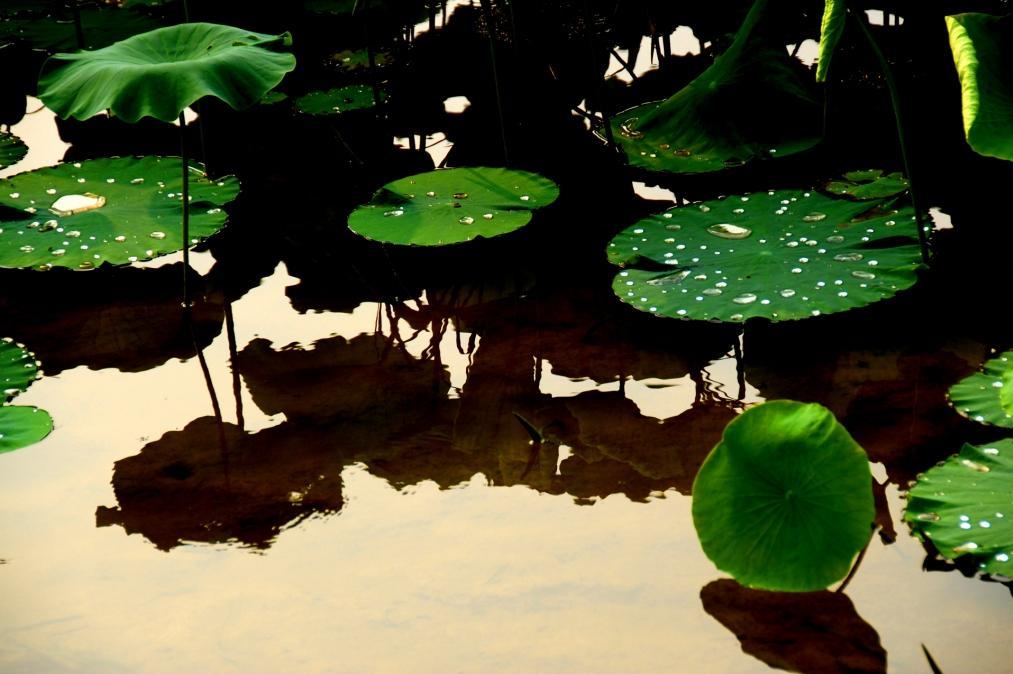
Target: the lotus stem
(186, 210)
(78, 28)
(891, 86)
(490, 26)
(237, 385)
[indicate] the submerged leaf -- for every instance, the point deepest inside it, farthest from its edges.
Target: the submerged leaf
(831, 29)
(784, 501)
(751, 103)
(21, 426)
(12, 149)
(780, 255)
(987, 396)
(982, 48)
(452, 206)
(105, 211)
(160, 73)
(963, 506)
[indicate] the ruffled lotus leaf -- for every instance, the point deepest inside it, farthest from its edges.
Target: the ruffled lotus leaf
(982, 47)
(160, 73)
(963, 506)
(12, 149)
(784, 501)
(751, 103)
(105, 211)
(449, 206)
(987, 396)
(779, 255)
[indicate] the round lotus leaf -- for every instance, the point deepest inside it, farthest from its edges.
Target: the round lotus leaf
(784, 501)
(337, 101)
(964, 506)
(160, 73)
(11, 149)
(18, 368)
(21, 426)
(871, 184)
(753, 102)
(780, 255)
(105, 211)
(452, 206)
(987, 396)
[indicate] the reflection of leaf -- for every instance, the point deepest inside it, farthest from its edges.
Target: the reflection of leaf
(452, 205)
(105, 211)
(982, 51)
(161, 72)
(216, 484)
(780, 255)
(784, 501)
(963, 506)
(11, 149)
(812, 633)
(987, 396)
(831, 29)
(753, 102)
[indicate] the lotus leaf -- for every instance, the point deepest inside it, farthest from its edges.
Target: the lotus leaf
(21, 426)
(751, 103)
(962, 506)
(831, 29)
(11, 149)
(867, 185)
(18, 368)
(57, 32)
(160, 73)
(780, 255)
(105, 211)
(353, 60)
(337, 101)
(452, 206)
(982, 48)
(784, 501)
(987, 396)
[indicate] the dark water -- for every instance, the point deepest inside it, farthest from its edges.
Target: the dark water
(370, 501)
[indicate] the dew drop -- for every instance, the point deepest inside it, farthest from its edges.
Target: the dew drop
(467, 220)
(157, 235)
(787, 292)
(726, 231)
(864, 275)
(814, 217)
(849, 257)
(745, 298)
(974, 465)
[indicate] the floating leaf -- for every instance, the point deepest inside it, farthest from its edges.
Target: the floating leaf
(160, 73)
(337, 101)
(831, 29)
(963, 506)
(452, 205)
(987, 396)
(868, 185)
(784, 501)
(57, 31)
(18, 368)
(21, 426)
(780, 255)
(105, 211)
(751, 103)
(12, 149)
(353, 60)
(982, 48)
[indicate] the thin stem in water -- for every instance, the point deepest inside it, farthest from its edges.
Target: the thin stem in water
(186, 210)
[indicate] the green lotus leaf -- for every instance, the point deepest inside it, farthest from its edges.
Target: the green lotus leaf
(982, 48)
(751, 103)
(784, 501)
(987, 396)
(18, 368)
(867, 185)
(21, 426)
(963, 506)
(337, 101)
(159, 73)
(448, 206)
(12, 149)
(57, 32)
(780, 255)
(831, 29)
(354, 60)
(105, 211)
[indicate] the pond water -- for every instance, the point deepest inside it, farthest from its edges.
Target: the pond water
(351, 485)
